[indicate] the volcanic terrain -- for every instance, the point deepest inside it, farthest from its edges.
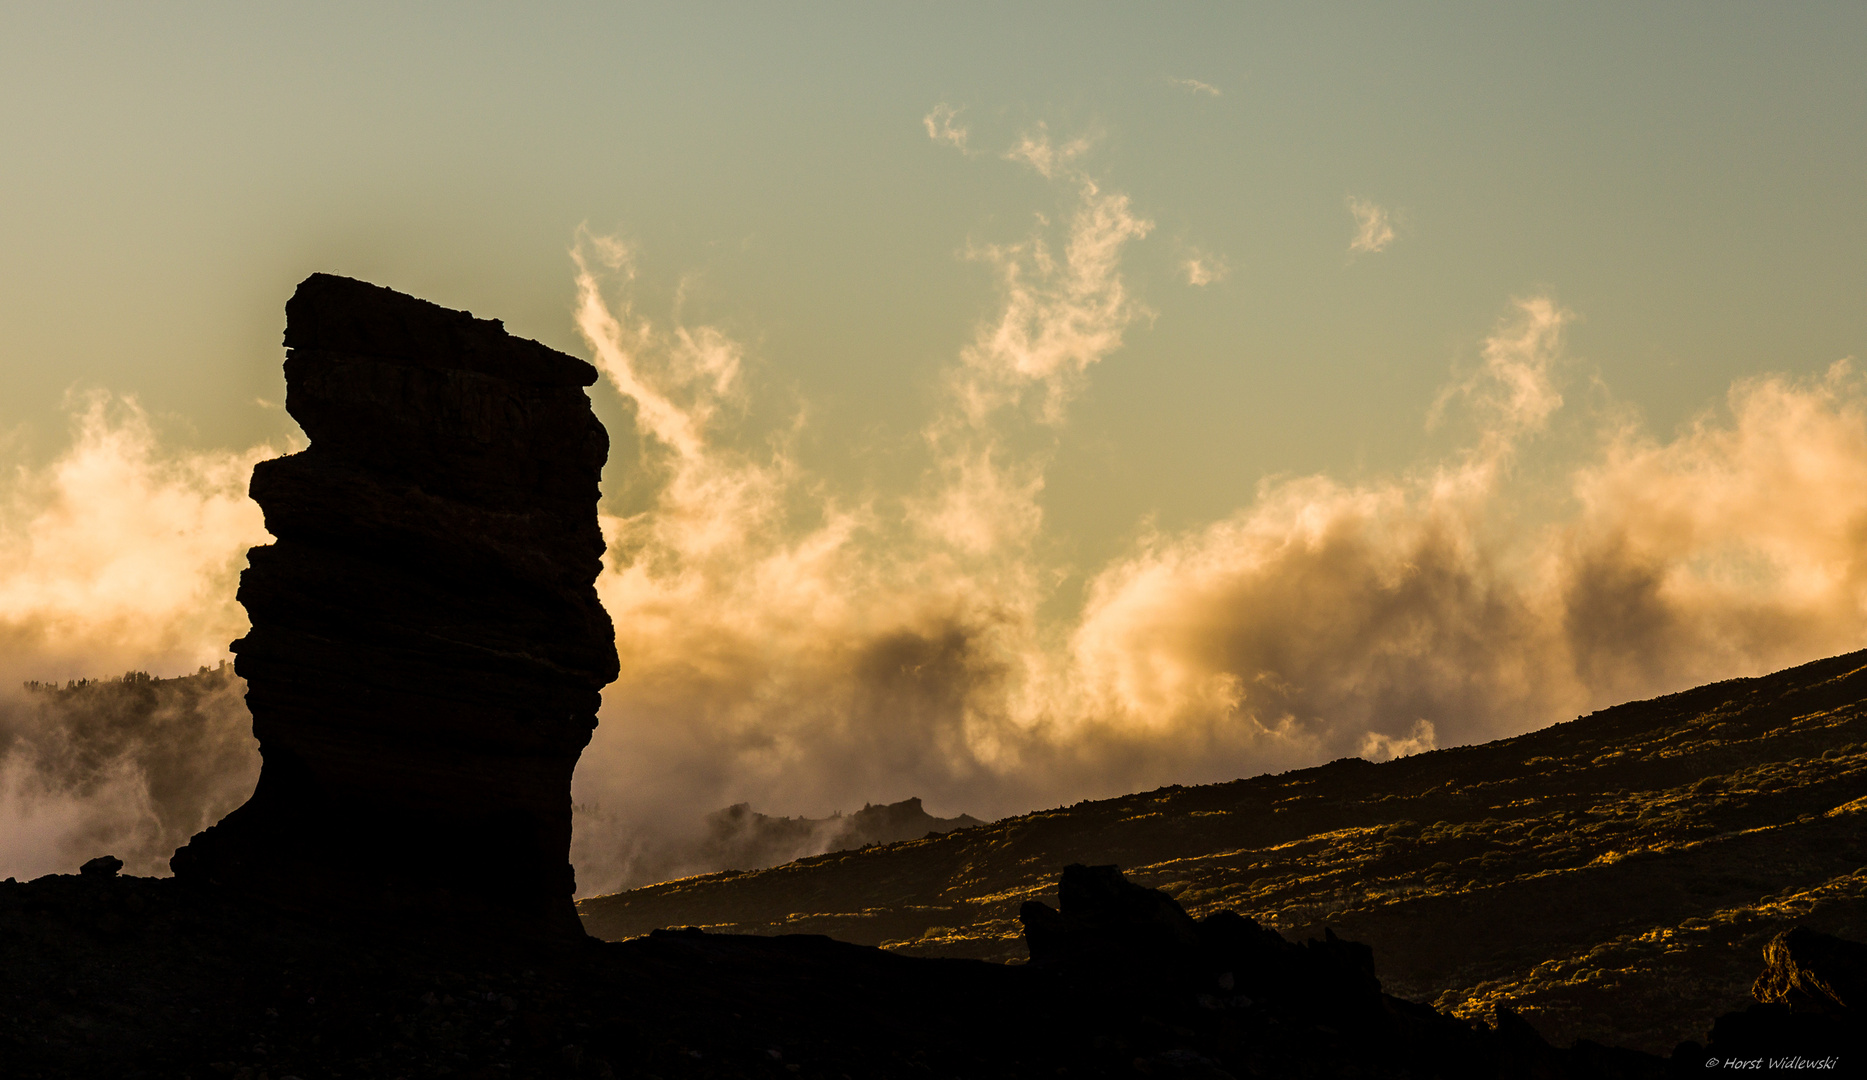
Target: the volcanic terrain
(1614, 877)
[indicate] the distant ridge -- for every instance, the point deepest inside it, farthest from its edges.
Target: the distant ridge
(740, 837)
(1615, 876)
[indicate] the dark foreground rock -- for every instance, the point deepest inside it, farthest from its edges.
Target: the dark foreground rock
(1225, 996)
(1813, 972)
(104, 975)
(1810, 1014)
(427, 648)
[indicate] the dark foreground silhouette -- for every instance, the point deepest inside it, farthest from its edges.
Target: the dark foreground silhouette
(103, 975)
(427, 649)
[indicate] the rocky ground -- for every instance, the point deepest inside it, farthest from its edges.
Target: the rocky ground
(1614, 878)
(102, 975)
(136, 977)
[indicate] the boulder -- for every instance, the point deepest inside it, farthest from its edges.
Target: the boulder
(1102, 918)
(1226, 996)
(1106, 928)
(1807, 1009)
(103, 866)
(1810, 971)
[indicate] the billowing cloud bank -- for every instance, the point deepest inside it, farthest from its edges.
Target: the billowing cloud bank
(122, 553)
(785, 645)
(808, 648)
(1391, 617)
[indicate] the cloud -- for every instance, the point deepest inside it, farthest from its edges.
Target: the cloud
(941, 127)
(1339, 617)
(1035, 149)
(122, 554)
(1375, 618)
(1373, 231)
(1512, 393)
(1734, 547)
(1203, 269)
(1378, 747)
(1195, 86)
(1062, 311)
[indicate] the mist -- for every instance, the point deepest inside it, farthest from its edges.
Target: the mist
(130, 766)
(121, 555)
(808, 647)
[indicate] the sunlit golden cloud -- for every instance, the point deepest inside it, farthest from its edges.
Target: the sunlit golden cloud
(1384, 617)
(897, 647)
(1195, 86)
(124, 553)
(1035, 149)
(1373, 230)
(942, 127)
(1202, 269)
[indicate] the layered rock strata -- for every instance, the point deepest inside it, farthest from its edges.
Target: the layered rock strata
(427, 649)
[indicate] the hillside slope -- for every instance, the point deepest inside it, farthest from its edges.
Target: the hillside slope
(1615, 877)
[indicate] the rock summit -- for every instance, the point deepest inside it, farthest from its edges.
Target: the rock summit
(427, 648)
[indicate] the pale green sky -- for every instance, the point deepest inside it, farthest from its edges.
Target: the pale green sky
(1687, 179)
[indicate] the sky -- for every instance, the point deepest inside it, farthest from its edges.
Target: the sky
(1010, 406)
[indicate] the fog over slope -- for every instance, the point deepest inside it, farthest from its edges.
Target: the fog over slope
(131, 766)
(805, 647)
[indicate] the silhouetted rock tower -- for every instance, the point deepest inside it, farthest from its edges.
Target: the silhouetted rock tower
(427, 649)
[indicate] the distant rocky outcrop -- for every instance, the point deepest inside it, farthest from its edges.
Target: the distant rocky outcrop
(741, 838)
(427, 648)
